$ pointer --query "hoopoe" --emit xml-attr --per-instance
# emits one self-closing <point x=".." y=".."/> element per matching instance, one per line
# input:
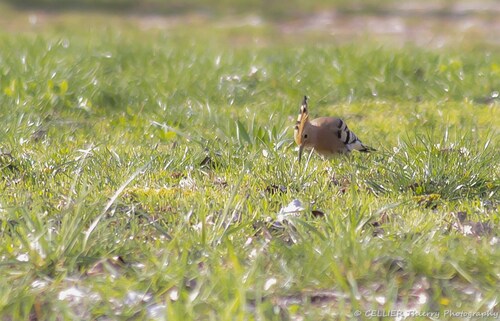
<point x="326" y="135"/>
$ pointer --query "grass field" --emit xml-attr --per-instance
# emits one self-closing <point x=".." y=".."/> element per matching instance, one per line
<point x="146" y="172"/>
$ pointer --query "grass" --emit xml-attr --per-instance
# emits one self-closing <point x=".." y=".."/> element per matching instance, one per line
<point x="143" y="173"/>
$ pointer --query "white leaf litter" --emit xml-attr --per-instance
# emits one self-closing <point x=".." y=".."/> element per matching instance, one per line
<point x="292" y="209"/>
<point x="380" y="299"/>
<point x="187" y="183"/>
<point x="157" y="312"/>
<point x="80" y="297"/>
<point x="134" y="297"/>
<point x="72" y="293"/>
<point x="23" y="257"/>
<point x="77" y="294"/>
<point x="269" y="283"/>
<point x="174" y="295"/>
<point x="39" y="284"/>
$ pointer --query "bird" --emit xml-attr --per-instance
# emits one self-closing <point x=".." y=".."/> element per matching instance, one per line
<point x="328" y="136"/>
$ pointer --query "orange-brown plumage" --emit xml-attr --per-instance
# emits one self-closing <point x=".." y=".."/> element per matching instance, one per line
<point x="326" y="135"/>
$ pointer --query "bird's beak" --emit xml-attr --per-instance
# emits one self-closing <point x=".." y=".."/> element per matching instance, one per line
<point x="301" y="149"/>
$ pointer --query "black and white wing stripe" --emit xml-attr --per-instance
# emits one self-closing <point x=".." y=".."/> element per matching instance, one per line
<point x="350" y="140"/>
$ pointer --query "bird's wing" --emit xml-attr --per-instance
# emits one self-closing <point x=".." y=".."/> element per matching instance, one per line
<point x="338" y="136"/>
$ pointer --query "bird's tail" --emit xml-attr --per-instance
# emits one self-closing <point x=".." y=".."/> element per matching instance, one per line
<point x="359" y="146"/>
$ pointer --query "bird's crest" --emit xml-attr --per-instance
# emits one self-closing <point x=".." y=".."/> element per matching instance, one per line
<point x="302" y="119"/>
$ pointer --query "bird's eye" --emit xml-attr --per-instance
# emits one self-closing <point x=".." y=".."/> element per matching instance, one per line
<point x="305" y="135"/>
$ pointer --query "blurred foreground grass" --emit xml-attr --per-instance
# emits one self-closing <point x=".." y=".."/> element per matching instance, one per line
<point x="143" y="173"/>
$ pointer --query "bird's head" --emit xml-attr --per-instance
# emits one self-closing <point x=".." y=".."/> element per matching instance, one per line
<point x="301" y="132"/>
